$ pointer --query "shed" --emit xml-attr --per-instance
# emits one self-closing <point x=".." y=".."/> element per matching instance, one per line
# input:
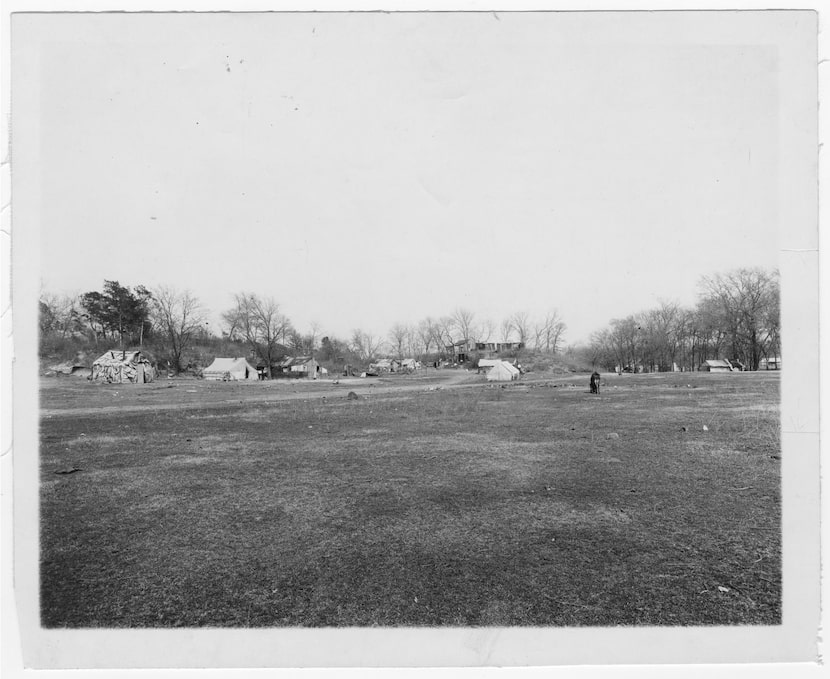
<point x="717" y="365"/>
<point x="298" y="367"/>
<point x="120" y="366"/>
<point x="384" y="365"/>
<point x="771" y="363"/>
<point x="410" y="365"/>
<point x="230" y="370"/>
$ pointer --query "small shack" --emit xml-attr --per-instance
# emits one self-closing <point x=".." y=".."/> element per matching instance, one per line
<point x="770" y="363"/>
<point x="410" y="365"/>
<point x="717" y="365"/>
<point x="385" y="365"/>
<point x="502" y="372"/>
<point x="230" y="370"/>
<point x="298" y="367"/>
<point x="117" y="366"/>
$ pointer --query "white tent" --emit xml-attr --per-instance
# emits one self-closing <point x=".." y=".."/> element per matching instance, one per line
<point x="230" y="369"/>
<point x="502" y="372"/>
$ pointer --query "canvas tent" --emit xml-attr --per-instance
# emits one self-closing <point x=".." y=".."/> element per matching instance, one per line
<point x="230" y="370"/>
<point x="486" y="364"/>
<point x="123" y="366"/>
<point x="502" y="372"/>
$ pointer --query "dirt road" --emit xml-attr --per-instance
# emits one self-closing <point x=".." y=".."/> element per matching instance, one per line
<point x="62" y="397"/>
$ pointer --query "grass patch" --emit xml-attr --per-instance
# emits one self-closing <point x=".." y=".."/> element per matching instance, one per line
<point x="468" y="506"/>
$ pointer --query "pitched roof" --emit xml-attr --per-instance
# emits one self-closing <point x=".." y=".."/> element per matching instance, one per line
<point x="718" y="363"/>
<point x="289" y="361"/>
<point x="228" y="364"/>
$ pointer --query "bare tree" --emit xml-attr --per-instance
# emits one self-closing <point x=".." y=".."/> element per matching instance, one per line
<point x="554" y="328"/>
<point x="60" y="314"/>
<point x="365" y="344"/>
<point x="506" y="329"/>
<point x="463" y="322"/>
<point x="521" y="324"/>
<point x="178" y="316"/>
<point x="260" y="323"/>
<point x="747" y="300"/>
<point x="398" y="337"/>
<point x="485" y="330"/>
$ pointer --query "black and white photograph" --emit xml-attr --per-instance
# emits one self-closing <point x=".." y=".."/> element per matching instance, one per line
<point x="414" y="338"/>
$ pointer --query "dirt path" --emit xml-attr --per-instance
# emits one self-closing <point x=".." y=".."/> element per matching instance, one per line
<point x="254" y="393"/>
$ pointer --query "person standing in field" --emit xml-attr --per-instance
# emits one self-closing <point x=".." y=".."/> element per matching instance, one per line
<point x="595" y="378"/>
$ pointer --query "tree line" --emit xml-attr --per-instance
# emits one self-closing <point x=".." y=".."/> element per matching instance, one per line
<point x="737" y="317"/>
<point x="173" y="322"/>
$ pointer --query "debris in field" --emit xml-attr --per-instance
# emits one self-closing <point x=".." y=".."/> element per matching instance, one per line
<point x="69" y="471"/>
<point x="684" y="429"/>
<point x="311" y="426"/>
<point x="705" y="428"/>
<point x="188" y="439"/>
<point x="742" y="488"/>
<point x="613" y="435"/>
<point x="352" y="396"/>
<point x="723" y="589"/>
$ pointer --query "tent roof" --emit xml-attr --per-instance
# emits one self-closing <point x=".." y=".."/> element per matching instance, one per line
<point x="502" y="369"/>
<point x="118" y="356"/>
<point x="228" y="364"/>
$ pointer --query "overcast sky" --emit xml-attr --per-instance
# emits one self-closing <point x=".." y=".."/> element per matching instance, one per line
<point x="368" y="169"/>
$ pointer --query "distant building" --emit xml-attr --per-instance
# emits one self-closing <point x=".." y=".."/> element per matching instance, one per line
<point x="384" y="365"/>
<point x="298" y="367"/>
<point x="490" y="349"/>
<point x="410" y="365"/>
<point x="461" y="350"/>
<point x="771" y="363"/>
<point x="717" y="365"/>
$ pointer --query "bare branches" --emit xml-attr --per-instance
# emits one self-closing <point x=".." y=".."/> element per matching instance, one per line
<point x="178" y="316"/>
<point x="259" y="321"/>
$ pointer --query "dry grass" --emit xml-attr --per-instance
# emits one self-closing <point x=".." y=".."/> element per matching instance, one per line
<point x="475" y="506"/>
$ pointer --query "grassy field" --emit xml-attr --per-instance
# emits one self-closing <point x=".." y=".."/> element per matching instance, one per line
<point x="291" y="505"/>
